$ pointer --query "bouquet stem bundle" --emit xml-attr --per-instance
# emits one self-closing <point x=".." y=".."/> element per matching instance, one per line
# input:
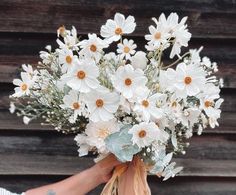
<point x="128" y="178"/>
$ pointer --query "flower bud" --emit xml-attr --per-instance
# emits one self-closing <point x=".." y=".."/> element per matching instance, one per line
<point x="139" y="60"/>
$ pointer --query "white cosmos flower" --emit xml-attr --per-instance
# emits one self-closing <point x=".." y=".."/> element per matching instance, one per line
<point x="158" y="35"/>
<point x="126" y="80"/>
<point x="213" y="112"/>
<point x="147" y="105"/>
<point x="92" y="47"/>
<point x="182" y="37"/>
<point x="66" y="59"/>
<point x="61" y="31"/>
<point x="97" y="133"/>
<point x="175" y="29"/>
<point x="190" y="116"/>
<point x="24" y="85"/>
<point x="73" y="102"/>
<point x="32" y="74"/>
<point x="139" y="60"/>
<point x="166" y="79"/>
<point x="126" y="49"/>
<point x="83" y="76"/>
<point x="70" y="40"/>
<point x="102" y="104"/>
<point x="114" y="29"/>
<point x="189" y="80"/>
<point x="81" y="141"/>
<point x="144" y="134"/>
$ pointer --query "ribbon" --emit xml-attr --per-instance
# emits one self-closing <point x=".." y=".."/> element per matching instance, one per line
<point x="128" y="179"/>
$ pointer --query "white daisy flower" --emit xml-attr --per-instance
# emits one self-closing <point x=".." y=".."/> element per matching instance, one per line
<point x="175" y="29"/>
<point x="23" y="85"/>
<point x="114" y="29"/>
<point x="92" y="47"/>
<point x="189" y="80"/>
<point x="70" y="40"/>
<point x="66" y="59"/>
<point x="81" y="141"/>
<point x="158" y="35"/>
<point x="147" y="105"/>
<point x="213" y="111"/>
<point x="166" y="79"/>
<point x="190" y="116"/>
<point x="73" y="102"/>
<point x="83" y="76"/>
<point x="32" y="74"/>
<point x="102" y="104"/>
<point x="126" y="80"/>
<point x="61" y="31"/>
<point x="97" y="133"/>
<point x="126" y="49"/>
<point x="181" y="37"/>
<point x="144" y="134"/>
<point x="46" y="56"/>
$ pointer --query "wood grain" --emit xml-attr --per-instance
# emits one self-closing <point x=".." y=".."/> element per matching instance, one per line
<point x="34" y="155"/>
<point x="207" y="146"/>
<point x="206" y="19"/>
<point x="175" y="186"/>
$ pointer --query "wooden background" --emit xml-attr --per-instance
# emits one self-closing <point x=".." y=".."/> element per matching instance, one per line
<point x="33" y="155"/>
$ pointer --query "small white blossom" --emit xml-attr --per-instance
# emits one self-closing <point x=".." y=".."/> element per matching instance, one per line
<point x="114" y="29"/>
<point x="97" y="133"/>
<point x="102" y="104"/>
<point x="144" y="134"/>
<point x="73" y="102"/>
<point x="126" y="80"/>
<point x="24" y="85"/>
<point x="92" y="47"/>
<point x="83" y="76"/>
<point x="126" y="49"/>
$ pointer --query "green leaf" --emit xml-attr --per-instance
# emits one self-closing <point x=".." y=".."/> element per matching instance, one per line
<point x="121" y="145"/>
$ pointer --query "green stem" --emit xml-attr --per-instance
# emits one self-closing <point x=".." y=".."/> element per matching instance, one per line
<point x="175" y="62"/>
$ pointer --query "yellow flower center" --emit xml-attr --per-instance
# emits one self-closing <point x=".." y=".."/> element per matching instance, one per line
<point x="61" y="30"/>
<point x="158" y="35"/>
<point x="126" y="49"/>
<point x="76" y="105"/>
<point x="99" y="103"/>
<point x="128" y="81"/>
<point x="118" y="31"/>
<point x="81" y="74"/>
<point x="68" y="59"/>
<point x="24" y="87"/>
<point x="93" y="48"/>
<point x="103" y="133"/>
<point x="187" y="80"/>
<point x="174" y="104"/>
<point x="208" y="103"/>
<point x="142" y="133"/>
<point x="145" y="103"/>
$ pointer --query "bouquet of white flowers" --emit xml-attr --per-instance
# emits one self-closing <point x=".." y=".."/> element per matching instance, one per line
<point x="128" y="103"/>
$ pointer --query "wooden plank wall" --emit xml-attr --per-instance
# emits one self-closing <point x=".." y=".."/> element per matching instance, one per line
<point x="33" y="155"/>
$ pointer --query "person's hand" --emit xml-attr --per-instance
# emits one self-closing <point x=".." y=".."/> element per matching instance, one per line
<point x="82" y="182"/>
<point x="105" y="167"/>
